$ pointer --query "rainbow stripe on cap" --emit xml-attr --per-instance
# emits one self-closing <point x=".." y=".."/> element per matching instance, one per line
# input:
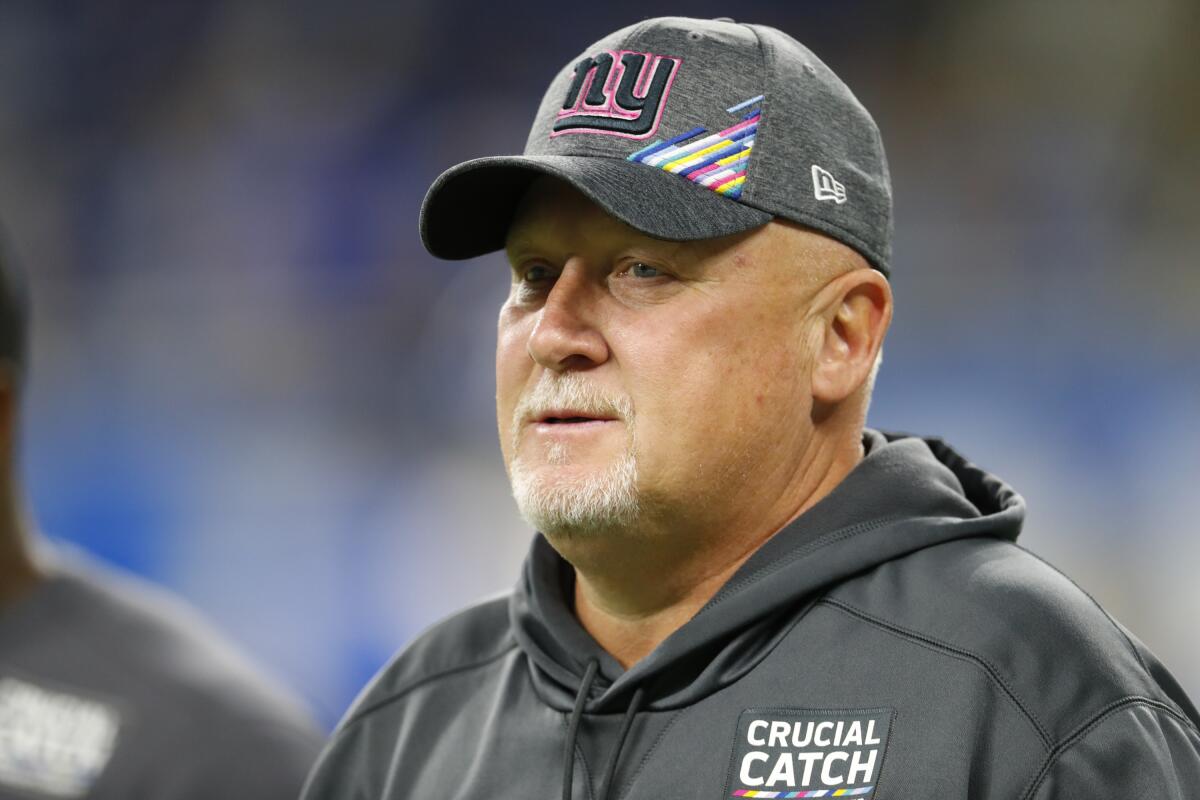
<point x="717" y="161"/>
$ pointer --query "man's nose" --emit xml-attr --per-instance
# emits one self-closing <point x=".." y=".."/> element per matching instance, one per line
<point x="565" y="335"/>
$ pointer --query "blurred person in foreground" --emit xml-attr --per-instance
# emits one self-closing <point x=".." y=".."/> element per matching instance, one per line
<point x="737" y="590"/>
<point x="111" y="689"/>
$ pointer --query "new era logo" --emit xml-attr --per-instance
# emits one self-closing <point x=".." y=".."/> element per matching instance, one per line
<point x="826" y="187"/>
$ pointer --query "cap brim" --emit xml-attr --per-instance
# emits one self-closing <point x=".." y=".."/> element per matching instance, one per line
<point x="468" y="209"/>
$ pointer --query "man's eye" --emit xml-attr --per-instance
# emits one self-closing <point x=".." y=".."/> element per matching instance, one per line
<point x="535" y="273"/>
<point x="640" y="270"/>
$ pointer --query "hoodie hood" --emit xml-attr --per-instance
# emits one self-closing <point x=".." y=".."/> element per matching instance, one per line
<point x="906" y="494"/>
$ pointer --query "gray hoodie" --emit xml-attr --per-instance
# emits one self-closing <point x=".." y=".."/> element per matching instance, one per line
<point x="892" y="642"/>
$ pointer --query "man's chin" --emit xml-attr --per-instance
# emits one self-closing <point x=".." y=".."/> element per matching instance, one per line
<point x="576" y="500"/>
<point x="565" y="477"/>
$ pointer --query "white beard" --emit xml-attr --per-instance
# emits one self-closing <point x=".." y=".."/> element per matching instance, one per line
<point x="600" y="501"/>
<point x="559" y="504"/>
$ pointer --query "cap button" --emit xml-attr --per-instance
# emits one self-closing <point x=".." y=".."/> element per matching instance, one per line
<point x="723" y="19"/>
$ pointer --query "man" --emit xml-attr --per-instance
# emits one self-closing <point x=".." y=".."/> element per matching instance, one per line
<point x="737" y="590"/>
<point x="112" y="690"/>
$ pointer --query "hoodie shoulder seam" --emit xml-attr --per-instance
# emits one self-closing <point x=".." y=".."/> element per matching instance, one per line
<point x="929" y="641"/>
<point x="428" y="679"/>
<point x="1086" y="727"/>
<point x="1124" y="636"/>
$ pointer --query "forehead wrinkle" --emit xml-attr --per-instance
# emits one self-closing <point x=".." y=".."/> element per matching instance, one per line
<point x="552" y="216"/>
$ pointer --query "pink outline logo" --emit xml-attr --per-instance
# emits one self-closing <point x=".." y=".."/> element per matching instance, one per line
<point x="618" y="93"/>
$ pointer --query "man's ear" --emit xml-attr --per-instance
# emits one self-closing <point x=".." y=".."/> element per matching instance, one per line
<point x="855" y="310"/>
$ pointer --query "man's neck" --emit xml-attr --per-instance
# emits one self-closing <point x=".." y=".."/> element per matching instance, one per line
<point x="19" y="571"/>
<point x="630" y="606"/>
<point x="629" y="635"/>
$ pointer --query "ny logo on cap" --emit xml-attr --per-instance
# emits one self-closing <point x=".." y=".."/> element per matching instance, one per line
<point x="826" y="187"/>
<point x="617" y="93"/>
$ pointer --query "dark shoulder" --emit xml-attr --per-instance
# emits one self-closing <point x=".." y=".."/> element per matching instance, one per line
<point x="469" y="640"/>
<point x="162" y="644"/>
<point x="196" y="717"/>
<point x="411" y="701"/>
<point x="1038" y="636"/>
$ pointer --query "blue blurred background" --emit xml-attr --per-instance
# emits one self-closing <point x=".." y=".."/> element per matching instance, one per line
<point x="251" y="384"/>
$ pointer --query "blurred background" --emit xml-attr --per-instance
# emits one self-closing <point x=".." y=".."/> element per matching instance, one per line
<point x="251" y="384"/>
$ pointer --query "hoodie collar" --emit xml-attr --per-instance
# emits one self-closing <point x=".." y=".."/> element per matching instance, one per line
<point x="907" y="493"/>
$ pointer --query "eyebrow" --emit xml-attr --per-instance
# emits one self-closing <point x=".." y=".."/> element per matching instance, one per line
<point x="529" y="237"/>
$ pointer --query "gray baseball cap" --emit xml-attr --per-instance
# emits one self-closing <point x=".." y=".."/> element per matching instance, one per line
<point x="686" y="129"/>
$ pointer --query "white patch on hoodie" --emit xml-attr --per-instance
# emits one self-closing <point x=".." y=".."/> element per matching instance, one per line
<point x="784" y="752"/>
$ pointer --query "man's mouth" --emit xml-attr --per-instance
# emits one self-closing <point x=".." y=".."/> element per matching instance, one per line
<point x="566" y="418"/>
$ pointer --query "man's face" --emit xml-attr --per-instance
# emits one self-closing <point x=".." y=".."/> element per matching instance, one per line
<point x="643" y="382"/>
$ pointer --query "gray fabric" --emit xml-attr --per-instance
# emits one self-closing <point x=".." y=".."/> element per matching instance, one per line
<point x="88" y="655"/>
<point x="809" y="118"/>
<point x="1101" y="751"/>
<point x="900" y="600"/>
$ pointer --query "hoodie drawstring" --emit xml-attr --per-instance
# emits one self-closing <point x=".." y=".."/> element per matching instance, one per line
<point x="635" y="705"/>
<point x="573" y="729"/>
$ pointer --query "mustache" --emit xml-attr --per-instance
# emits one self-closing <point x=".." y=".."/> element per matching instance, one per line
<point x="574" y="391"/>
